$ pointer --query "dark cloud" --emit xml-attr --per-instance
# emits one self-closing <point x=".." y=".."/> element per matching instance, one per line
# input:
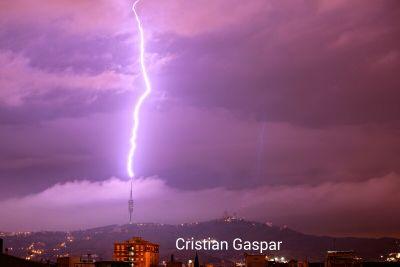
<point x="61" y="103"/>
<point x="53" y="49"/>
<point x="297" y="66"/>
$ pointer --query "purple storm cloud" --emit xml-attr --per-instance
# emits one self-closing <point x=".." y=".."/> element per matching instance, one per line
<point x="282" y="111"/>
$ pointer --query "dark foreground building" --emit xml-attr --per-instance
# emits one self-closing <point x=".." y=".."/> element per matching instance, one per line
<point x="342" y="259"/>
<point x="11" y="261"/>
<point x="112" y="264"/>
<point x="174" y="263"/>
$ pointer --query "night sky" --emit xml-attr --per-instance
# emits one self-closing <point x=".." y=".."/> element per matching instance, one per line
<point x="281" y="111"/>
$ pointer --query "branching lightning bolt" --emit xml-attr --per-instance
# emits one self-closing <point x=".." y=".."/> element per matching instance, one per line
<point x="136" y="109"/>
<point x="139" y="102"/>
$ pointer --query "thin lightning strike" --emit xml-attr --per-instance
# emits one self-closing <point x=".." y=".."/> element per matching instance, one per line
<point x="138" y="104"/>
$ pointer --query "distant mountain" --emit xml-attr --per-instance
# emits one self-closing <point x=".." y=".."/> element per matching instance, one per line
<point x="100" y="241"/>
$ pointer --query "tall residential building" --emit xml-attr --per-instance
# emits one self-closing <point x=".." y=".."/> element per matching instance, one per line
<point x="137" y="251"/>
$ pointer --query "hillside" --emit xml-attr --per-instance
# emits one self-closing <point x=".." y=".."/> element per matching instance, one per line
<point x="100" y="240"/>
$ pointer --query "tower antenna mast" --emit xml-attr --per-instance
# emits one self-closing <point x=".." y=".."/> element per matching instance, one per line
<point x="130" y="204"/>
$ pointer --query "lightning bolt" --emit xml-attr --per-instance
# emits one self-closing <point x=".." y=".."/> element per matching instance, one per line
<point x="141" y="99"/>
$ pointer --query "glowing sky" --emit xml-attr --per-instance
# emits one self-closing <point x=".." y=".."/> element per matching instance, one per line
<point x="257" y="105"/>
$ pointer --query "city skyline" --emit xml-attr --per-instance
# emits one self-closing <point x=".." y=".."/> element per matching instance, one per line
<point x="281" y="111"/>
